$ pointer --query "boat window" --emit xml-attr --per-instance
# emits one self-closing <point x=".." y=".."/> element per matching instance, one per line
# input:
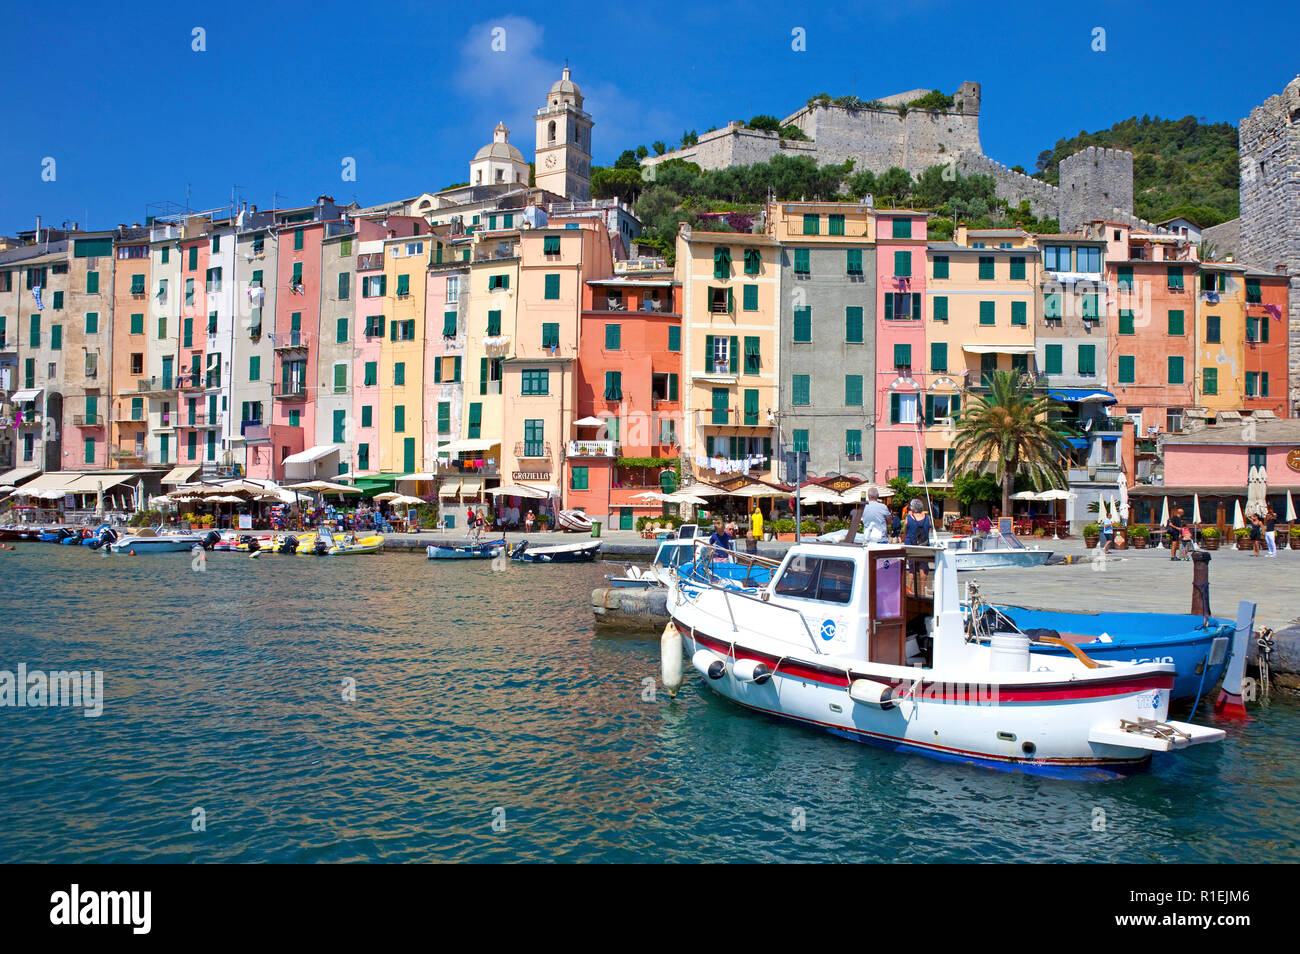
<point x="814" y="578"/>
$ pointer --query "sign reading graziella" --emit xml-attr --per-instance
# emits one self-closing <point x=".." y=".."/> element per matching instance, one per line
<point x="1293" y="458"/>
<point x="531" y="475"/>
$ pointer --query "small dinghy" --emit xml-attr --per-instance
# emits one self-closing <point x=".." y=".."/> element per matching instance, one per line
<point x="573" y="521"/>
<point x="468" y="550"/>
<point x="559" y="553"/>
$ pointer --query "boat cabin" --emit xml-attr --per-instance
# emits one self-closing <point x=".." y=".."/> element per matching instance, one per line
<point x="875" y="602"/>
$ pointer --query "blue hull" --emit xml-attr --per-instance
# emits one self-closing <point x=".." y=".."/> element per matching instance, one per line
<point x="464" y="551"/>
<point x="1140" y="637"/>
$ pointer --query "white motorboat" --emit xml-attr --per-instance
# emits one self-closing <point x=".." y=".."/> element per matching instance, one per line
<point x="151" y="540"/>
<point x="991" y="552"/>
<point x="871" y="643"/>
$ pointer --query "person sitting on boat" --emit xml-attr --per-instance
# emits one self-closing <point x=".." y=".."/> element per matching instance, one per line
<point x="720" y="542"/>
<point x="875" y="518"/>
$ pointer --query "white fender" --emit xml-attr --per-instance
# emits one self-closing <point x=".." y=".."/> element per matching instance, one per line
<point x="751" y="670"/>
<point x="670" y="659"/>
<point x="709" y="664"/>
<point x="872" y="693"/>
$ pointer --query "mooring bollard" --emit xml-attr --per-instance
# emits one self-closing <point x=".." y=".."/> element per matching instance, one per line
<point x="1200" y="583"/>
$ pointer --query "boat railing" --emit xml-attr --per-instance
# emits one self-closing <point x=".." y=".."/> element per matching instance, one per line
<point x="730" y="592"/>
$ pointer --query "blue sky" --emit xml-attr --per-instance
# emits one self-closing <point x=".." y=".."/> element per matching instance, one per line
<point x="132" y="115"/>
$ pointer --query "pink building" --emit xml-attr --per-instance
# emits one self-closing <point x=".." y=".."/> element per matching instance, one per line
<point x="295" y="337"/>
<point x="900" y="344"/>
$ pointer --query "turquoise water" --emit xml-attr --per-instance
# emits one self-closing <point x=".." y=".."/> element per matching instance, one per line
<point x="485" y="697"/>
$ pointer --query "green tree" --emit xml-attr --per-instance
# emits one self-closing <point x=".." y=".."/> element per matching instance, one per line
<point x="1008" y="430"/>
<point x="642" y="152"/>
<point x="627" y="160"/>
<point x="690" y="138"/>
<point x="620" y="183"/>
<point x="659" y="146"/>
<point x="765" y="123"/>
<point x="896" y="183"/>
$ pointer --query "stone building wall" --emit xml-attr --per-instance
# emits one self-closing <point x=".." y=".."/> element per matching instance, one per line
<point x="1095" y="181"/>
<point x="1270" y="203"/>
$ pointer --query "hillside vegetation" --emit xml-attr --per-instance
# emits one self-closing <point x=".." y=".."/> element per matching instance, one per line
<point x="1180" y="166"/>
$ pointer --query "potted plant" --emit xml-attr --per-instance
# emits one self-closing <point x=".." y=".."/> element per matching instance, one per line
<point x="783" y="528"/>
<point x="1242" y="537"/>
<point x="1139" y="535"/>
<point x="1091" y="534"/>
<point x="1294" y="537"/>
<point x="1210" y="538"/>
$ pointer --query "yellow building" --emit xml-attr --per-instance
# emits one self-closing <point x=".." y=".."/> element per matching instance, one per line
<point x="1221" y="336"/>
<point x="980" y="318"/>
<point x="490" y="311"/>
<point x="730" y="352"/>
<point x="401" y="355"/>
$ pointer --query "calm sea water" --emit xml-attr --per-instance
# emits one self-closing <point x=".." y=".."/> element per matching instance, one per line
<point x="485" y="697"/>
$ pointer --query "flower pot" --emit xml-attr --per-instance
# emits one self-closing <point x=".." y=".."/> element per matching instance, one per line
<point x="1139" y="543"/>
<point x="1208" y="544"/>
<point x="785" y="537"/>
<point x="1090" y="542"/>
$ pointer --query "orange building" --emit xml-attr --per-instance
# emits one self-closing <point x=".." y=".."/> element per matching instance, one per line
<point x="629" y="376"/>
<point x="1266" y="342"/>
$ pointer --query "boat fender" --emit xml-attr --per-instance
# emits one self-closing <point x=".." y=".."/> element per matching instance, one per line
<point x="872" y="693"/>
<point x="751" y="670"/>
<point x="670" y="659"/>
<point x="710" y="664"/>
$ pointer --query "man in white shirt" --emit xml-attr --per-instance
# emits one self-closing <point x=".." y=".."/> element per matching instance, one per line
<point x="875" y="518"/>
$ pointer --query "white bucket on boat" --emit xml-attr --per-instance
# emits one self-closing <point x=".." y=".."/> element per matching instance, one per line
<point x="1009" y="652"/>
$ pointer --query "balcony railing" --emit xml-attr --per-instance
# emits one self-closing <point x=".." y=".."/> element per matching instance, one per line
<point x="28" y="421"/>
<point x="87" y="420"/>
<point x="531" y="449"/>
<point x="126" y="452"/>
<point x="191" y="382"/>
<point x="592" y="449"/>
<point x="286" y="340"/>
<point x="293" y="391"/>
<point x="147" y="385"/>
<point x="200" y="419"/>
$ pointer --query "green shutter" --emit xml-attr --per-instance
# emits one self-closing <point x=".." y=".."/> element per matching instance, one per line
<point x="1126" y="368"/>
<point x="455" y="369"/>
<point x="902" y="264"/>
<point x="854" y="263"/>
<point x="578" y="478"/>
<point x="399" y="418"/>
<point x="895" y="407"/>
<point x="751" y="406"/>
<point x="853" y="324"/>
<point x="1210" y="381"/>
<point x="811" y="224"/>
<point x="753" y="357"/>
<point x="708" y="354"/>
<point x="1175" y="369"/>
<point x="987" y="314"/>
<point x="672" y="387"/>
<point x="733" y="354"/>
<point x="476" y="417"/>
<point x="1087" y="359"/>
<point x="1124" y="278"/>
<point x="1052" y="358"/>
<point x="801" y="266"/>
<point x="367" y="415"/>
<point x="916" y="306"/>
<point x="340" y="378"/>
<point x="853" y="390"/>
<point x="901" y="228"/>
<point x="675" y="338"/>
<point x="905" y="461"/>
<point x="437" y="371"/>
<point x="941" y="266"/>
<point x="889" y="305"/>
<point x="1017" y="268"/>
<point x="297" y="240"/>
<point x="482" y="375"/>
<point x="1052" y="305"/>
<point x="613" y="337"/>
<point x="720" y="400"/>
<point x="986" y="268"/>
<point x="345" y="286"/>
<point x="552" y="289"/>
<point x="372" y="374"/>
<point x="340" y="330"/>
<point x="853" y="443"/>
<point x="749" y="298"/>
<point x="1019" y="313"/>
<point x="340" y="425"/>
<point x="938" y="356"/>
<point x="403" y="285"/>
<point x="56" y="337"/>
<point x="444" y="417"/>
<point x="1125" y="322"/>
<point x="834" y="225"/>
<point x="902" y="356"/>
<point x="803" y="324"/>
<point x="940" y="306"/>
<point x="801" y="390"/>
<point x="254" y="367"/>
<point x="801" y="441"/>
<point x="494" y="323"/>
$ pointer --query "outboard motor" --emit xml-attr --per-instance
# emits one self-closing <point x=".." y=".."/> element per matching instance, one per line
<point x="211" y="539"/>
<point x="322" y="548"/>
<point x="519" y="548"/>
<point x="248" y="541"/>
<point x="289" y="545"/>
<point x="107" y="537"/>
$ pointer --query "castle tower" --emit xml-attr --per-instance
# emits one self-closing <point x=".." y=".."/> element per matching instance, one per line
<point x="498" y="162"/>
<point x="1270" y="203"/>
<point x="564" y="142"/>
<point x="1095" y="184"/>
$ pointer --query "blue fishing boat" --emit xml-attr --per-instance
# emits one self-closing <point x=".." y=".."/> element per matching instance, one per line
<point x="468" y="550"/>
<point x="1198" y="647"/>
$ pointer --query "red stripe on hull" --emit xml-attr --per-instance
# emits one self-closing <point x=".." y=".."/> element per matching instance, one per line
<point x="945" y="691"/>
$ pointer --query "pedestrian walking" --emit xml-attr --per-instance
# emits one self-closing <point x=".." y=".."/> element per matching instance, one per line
<point x="1270" y="532"/>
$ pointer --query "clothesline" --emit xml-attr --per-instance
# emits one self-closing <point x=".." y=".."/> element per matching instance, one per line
<point x="726" y="465"/>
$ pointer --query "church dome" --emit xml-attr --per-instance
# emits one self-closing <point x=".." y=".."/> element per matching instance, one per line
<point x="499" y="147"/>
<point x="566" y="87"/>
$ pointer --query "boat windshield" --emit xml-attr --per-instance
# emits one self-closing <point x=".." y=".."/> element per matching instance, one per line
<point x="670" y="554"/>
<point x="1007" y="540"/>
<point x="817" y="578"/>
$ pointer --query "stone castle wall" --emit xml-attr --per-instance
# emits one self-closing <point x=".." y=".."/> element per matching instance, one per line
<point x="1015" y="187"/>
<point x="1095" y="180"/>
<point x="1269" y="142"/>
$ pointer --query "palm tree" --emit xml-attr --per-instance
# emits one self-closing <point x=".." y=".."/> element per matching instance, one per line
<point x="1008" y="428"/>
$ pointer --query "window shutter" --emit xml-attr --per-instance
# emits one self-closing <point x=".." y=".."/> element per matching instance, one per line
<point x="672" y="387"/>
<point x="1019" y="313"/>
<point x="731" y="301"/>
<point x="456" y="368"/>
<point x="751" y="406"/>
<point x="938" y="356"/>
<point x="708" y="353"/>
<point x="902" y="264"/>
<point x="734" y="351"/>
<point x="482" y="375"/>
<point x="940" y="307"/>
<point x="889" y="305"/>
<point x="929" y="411"/>
<point x="987" y="314"/>
<point x="905" y="461"/>
<point x="1126" y="322"/>
<point x="853" y="324"/>
<point x="895" y="408"/>
<point x="916" y="307"/>
<point x="437" y="370"/>
<point x="675" y="338"/>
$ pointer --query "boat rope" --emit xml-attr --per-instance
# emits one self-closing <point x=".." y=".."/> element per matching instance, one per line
<point x="1265" y="644"/>
<point x="1205" y="665"/>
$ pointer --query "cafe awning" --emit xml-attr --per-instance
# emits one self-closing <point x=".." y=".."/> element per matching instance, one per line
<point x="471" y="487"/>
<point x="22" y="397"/>
<point x="469" y="445"/>
<point x="180" y="475"/>
<point x="450" y="489"/>
<point x="17" y="474"/>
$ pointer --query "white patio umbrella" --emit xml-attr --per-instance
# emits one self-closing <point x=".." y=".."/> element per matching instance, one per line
<point x="324" y="487"/>
<point x="650" y="495"/>
<point x="1025" y="495"/>
<point x="1164" y="522"/>
<point x="590" y="422"/>
<point x="681" y="497"/>
<point x="1056" y="494"/>
<point x="388" y="495"/>
<point x="758" y="490"/>
<point x="405" y="500"/>
<point x="705" y="490"/>
<point x="518" y="490"/>
<point x="1196" y="509"/>
<point x="1290" y="508"/>
<point x="1238" y="520"/>
<point x="815" y="493"/>
<point x="1123" y="499"/>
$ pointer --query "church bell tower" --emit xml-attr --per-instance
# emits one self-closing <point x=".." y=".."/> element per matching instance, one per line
<point x="563" y="153"/>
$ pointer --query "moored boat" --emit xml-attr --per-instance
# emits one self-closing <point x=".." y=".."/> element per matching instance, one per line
<point x="871" y="643"/>
<point x="574" y="521"/>
<point x="150" y="540"/>
<point x="993" y="552"/>
<point x="558" y="553"/>
<point x="469" y="550"/>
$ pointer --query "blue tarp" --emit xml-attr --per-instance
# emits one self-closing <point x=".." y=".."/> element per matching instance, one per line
<point x="1082" y="394"/>
<point x="1077" y="442"/>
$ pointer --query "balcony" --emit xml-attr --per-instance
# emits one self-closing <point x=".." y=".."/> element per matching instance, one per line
<point x="125" y="452"/>
<point x="592" y="449"/>
<point x="87" y="420"/>
<point x="528" y="450"/>
<point x="155" y="385"/>
<point x="166" y="422"/>
<point x="28" y="422"/>
<point x="126" y="415"/>
<point x="290" y="341"/>
<point x="293" y="391"/>
<point x="447" y="468"/>
<point x="191" y="382"/>
<point x="200" y="419"/>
